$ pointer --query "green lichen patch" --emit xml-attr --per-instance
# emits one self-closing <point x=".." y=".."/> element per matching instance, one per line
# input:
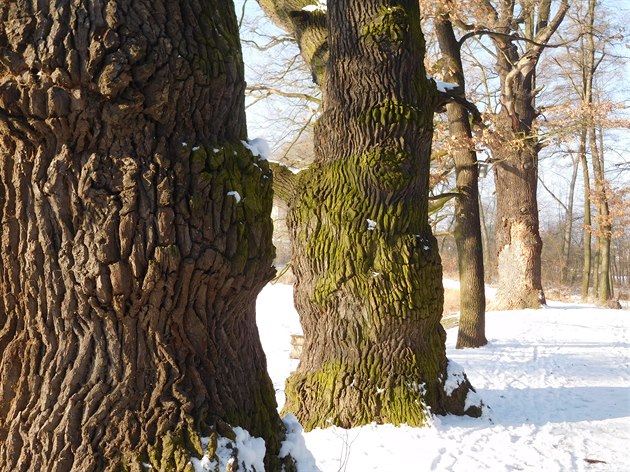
<point x="313" y="40"/>
<point x="389" y="29"/>
<point x="353" y="394"/>
<point x="173" y="449"/>
<point x="391" y="169"/>
<point x="392" y="112"/>
<point x="230" y="199"/>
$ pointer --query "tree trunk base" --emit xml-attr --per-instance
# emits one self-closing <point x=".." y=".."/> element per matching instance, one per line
<point x="519" y="287"/>
<point x="354" y="395"/>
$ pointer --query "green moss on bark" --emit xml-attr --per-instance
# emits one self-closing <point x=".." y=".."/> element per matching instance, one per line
<point x="231" y="192"/>
<point x="374" y="265"/>
<point x="360" y="393"/>
<point x="391" y="25"/>
<point x="393" y="112"/>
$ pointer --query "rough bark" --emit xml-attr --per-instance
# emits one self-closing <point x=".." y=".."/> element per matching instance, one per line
<point x="471" y="331"/>
<point x="369" y="289"/>
<point x="516" y="152"/>
<point x="129" y="270"/>
<point x="517" y="237"/>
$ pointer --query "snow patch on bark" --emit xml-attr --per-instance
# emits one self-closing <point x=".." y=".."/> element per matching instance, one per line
<point x="293" y="170"/>
<point x="454" y="377"/>
<point x="235" y="194"/>
<point x="472" y="400"/>
<point x="443" y="86"/>
<point x="295" y="446"/>
<point x="319" y="5"/>
<point x="251" y="453"/>
<point x="258" y="147"/>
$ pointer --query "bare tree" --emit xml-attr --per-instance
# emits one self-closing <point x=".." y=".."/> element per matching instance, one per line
<point x="520" y="31"/>
<point x="581" y="63"/>
<point x="278" y="83"/>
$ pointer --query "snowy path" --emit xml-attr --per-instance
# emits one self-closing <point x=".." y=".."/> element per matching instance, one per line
<point x="557" y="382"/>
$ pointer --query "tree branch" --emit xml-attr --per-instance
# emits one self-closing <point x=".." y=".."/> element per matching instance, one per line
<point x="273" y="42"/>
<point x="553" y="195"/>
<point x="284" y="182"/>
<point x="270" y="90"/>
<point x="455" y="95"/>
<point x="514" y="37"/>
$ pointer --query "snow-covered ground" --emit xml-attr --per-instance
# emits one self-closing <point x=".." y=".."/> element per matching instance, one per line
<point x="556" y="380"/>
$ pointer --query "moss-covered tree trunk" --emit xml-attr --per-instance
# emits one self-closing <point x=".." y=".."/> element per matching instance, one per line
<point x="472" y="320"/>
<point x="135" y="236"/>
<point x="369" y="277"/>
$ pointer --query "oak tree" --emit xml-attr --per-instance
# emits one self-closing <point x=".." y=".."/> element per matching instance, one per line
<point x="135" y="235"/>
<point x="520" y="31"/>
<point x="471" y="330"/>
<point x="369" y="278"/>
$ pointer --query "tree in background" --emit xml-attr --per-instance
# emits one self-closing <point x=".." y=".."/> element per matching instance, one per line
<point x="520" y="31"/>
<point x="585" y="109"/>
<point x="278" y="86"/>
<point x="471" y="330"/>
<point x="136" y="236"/>
<point x="369" y="280"/>
<point x="600" y="194"/>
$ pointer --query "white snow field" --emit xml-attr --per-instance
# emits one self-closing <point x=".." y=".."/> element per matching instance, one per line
<point x="556" y="382"/>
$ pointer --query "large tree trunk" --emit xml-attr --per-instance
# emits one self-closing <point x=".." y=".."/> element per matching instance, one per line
<point x="472" y="326"/>
<point x="519" y="246"/>
<point x="518" y="240"/>
<point x="129" y="269"/>
<point x="369" y="279"/>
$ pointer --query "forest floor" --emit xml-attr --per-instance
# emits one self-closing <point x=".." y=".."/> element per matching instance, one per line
<point x="556" y="382"/>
